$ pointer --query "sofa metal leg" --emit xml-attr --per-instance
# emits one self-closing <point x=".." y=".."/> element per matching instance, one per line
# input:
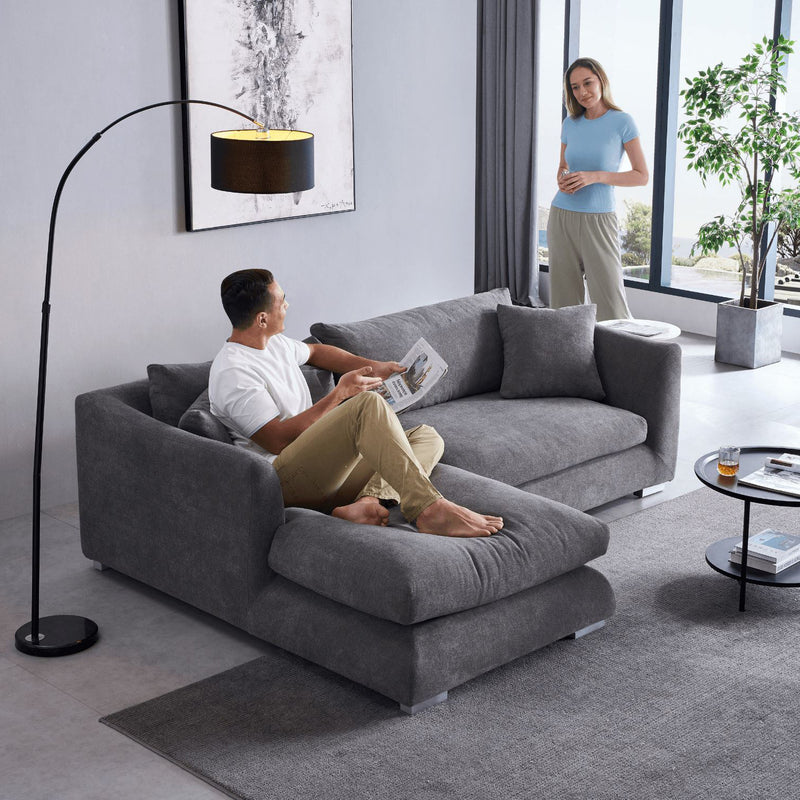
<point x="421" y="706"/>
<point x="99" y="566"/>
<point x="648" y="490"/>
<point x="588" y="629"/>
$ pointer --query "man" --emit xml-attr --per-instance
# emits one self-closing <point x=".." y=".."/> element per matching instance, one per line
<point x="340" y="458"/>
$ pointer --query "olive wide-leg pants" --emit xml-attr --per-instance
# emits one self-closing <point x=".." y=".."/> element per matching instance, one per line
<point x="360" y="449"/>
<point x="582" y="245"/>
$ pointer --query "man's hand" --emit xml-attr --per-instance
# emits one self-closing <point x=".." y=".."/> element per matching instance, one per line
<point x="278" y="434"/>
<point x="383" y="369"/>
<point x="355" y="382"/>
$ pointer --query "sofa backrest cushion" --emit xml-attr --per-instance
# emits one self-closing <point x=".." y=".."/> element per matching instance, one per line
<point x="464" y="332"/>
<point x="549" y="352"/>
<point x="174" y="387"/>
<point x="199" y="419"/>
<point x="320" y="381"/>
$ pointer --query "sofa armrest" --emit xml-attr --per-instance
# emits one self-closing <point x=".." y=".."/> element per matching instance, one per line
<point x="190" y="516"/>
<point x="644" y="376"/>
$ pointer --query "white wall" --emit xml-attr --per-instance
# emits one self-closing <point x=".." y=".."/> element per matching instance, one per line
<point x="130" y="286"/>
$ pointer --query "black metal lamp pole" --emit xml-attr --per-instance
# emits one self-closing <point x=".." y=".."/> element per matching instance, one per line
<point x="65" y="634"/>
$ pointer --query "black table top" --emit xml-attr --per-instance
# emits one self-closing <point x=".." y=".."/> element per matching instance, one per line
<point x="750" y="459"/>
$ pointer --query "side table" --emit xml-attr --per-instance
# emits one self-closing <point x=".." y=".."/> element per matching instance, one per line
<point x="666" y="330"/>
<point x="750" y="459"/>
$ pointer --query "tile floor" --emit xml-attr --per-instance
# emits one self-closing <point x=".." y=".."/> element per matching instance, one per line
<point x="51" y="744"/>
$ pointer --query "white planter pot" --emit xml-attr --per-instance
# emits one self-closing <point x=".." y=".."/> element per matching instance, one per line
<point x="749" y="337"/>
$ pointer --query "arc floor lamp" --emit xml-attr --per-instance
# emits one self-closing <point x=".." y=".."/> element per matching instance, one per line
<point x="253" y="161"/>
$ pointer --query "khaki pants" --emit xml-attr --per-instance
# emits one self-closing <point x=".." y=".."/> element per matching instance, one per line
<point x="360" y="449"/>
<point x="586" y="245"/>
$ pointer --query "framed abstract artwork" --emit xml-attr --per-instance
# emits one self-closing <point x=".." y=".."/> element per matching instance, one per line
<point x="286" y="63"/>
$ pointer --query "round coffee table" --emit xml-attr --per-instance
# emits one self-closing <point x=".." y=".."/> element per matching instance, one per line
<point x="751" y="459"/>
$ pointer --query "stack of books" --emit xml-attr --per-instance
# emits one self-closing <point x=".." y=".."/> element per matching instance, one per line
<point x="769" y="551"/>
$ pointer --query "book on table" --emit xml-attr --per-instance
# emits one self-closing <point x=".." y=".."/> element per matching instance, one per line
<point x="788" y="462"/>
<point x="773" y="479"/>
<point x="769" y="551"/>
<point x="754" y="562"/>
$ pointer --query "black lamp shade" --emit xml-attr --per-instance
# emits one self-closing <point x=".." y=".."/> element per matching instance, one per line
<point x="262" y="162"/>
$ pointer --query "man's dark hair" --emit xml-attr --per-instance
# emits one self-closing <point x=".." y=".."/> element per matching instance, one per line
<point x="245" y="293"/>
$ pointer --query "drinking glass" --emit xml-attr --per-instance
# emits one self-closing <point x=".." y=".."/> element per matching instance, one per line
<point x="728" y="460"/>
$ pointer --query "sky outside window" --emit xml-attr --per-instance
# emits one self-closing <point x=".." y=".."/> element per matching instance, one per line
<point x="793" y="76"/>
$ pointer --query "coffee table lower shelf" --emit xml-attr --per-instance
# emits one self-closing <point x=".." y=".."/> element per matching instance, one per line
<point x="717" y="559"/>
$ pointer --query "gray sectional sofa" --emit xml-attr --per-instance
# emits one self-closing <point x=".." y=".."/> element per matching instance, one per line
<point x="166" y="499"/>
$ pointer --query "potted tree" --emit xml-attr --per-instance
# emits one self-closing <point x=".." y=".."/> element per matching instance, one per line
<point x="734" y="133"/>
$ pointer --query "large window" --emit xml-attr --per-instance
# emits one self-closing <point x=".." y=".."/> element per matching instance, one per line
<point x="787" y="282"/>
<point x="736" y="24"/>
<point x="623" y="36"/>
<point x="642" y="57"/>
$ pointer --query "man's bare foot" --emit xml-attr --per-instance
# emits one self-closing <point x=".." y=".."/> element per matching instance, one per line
<point x="445" y="518"/>
<point x="365" y="511"/>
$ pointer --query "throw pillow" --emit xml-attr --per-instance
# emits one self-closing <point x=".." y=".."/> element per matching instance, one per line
<point x="199" y="419"/>
<point x="174" y="387"/>
<point x="549" y="352"/>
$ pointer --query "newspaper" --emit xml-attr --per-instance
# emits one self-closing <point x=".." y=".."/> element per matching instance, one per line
<point x="775" y="480"/>
<point x="424" y="366"/>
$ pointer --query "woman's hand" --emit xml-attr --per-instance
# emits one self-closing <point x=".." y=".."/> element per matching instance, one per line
<point x="572" y="182"/>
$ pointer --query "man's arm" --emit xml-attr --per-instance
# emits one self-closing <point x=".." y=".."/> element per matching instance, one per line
<point x="278" y="434"/>
<point x="336" y="360"/>
<point x="358" y="375"/>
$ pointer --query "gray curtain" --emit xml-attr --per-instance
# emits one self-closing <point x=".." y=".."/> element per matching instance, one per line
<point x="506" y="239"/>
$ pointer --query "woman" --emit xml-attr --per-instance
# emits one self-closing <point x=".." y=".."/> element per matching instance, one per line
<point x="582" y="232"/>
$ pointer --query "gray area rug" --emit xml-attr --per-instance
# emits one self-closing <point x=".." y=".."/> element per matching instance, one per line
<point x="679" y="696"/>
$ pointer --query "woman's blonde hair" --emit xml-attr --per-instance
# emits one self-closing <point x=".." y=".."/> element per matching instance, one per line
<point x="574" y="108"/>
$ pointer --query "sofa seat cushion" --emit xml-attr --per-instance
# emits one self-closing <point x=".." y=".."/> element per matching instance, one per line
<point x="399" y="574"/>
<point x="516" y="441"/>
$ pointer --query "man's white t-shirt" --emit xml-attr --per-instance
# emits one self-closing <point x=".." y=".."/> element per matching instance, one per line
<point x="248" y="387"/>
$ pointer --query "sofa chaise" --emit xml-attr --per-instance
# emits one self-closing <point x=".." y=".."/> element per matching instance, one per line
<point x="166" y="499"/>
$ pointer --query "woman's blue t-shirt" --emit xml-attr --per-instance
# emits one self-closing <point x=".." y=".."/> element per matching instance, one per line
<point x="594" y="144"/>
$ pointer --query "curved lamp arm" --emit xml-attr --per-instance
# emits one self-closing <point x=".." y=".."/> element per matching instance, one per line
<point x="29" y="639"/>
